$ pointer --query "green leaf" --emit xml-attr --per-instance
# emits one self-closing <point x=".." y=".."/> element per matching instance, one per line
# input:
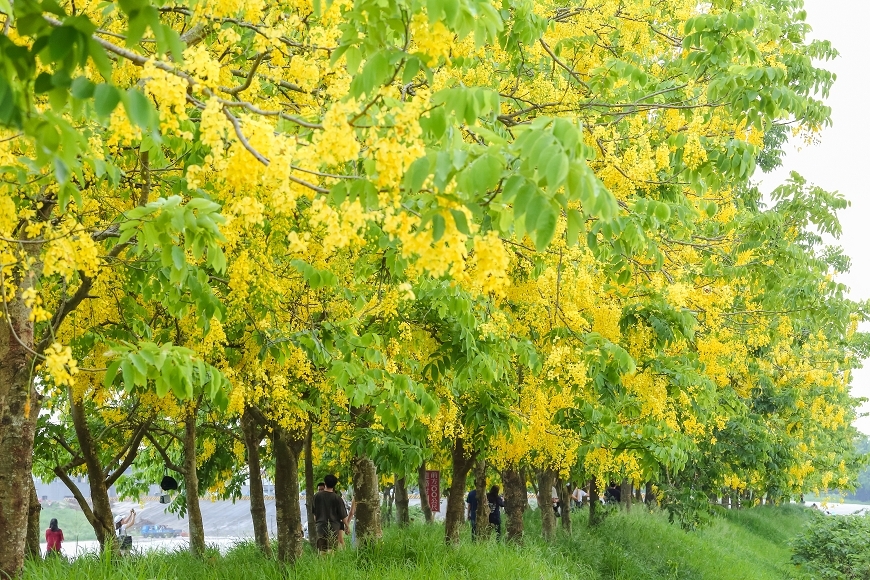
<point x="100" y="60"/>
<point x="139" y="108"/>
<point x="106" y="98"/>
<point x="662" y="212"/>
<point x="575" y="224"/>
<point x="82" y="88"/>
<point x="461" y="221"/>
<point x="417" y="173"/>
<point x="557" y="169"/>
<point x="546" y="225"/>
<point x="61" y="42"/>
<point x="111" y="373"/>
<point x="438" y="226"/>
<point x="412" y="67"/>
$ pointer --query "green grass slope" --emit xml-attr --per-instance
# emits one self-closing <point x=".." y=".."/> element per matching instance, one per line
<point x="70" y="519"/>
<point x="750" y="544"/>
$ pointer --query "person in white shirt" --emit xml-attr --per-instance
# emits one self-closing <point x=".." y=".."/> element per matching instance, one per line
<point x="579" y="495"/>
<point x="122" y="524"/>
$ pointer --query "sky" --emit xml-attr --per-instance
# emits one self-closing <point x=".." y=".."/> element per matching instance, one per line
<point x="841" y="161"/>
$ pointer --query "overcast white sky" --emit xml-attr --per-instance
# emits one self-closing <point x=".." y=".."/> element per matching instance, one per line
<point x="841" y="162"/>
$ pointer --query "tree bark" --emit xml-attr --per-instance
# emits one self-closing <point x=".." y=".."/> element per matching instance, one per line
<point x="387" y="507"/>
<point x="637" y="495"/>
<point x="515" y="499"/>
<point x="625" y="494"/>
<point x="546" y="480"/>
<point x="484" y="529"/>
<point x="19" y="407"/>
<point x="368" y="504"/>
<point x="309" y="488"/>
<point x="463" y="459"/>
<point x="525" y="480"/>
<point x="251" y="431"/>
<point x="403" y="518"/>
<point x="595" y="517"/>
<point x="191" y="487"/>
<point x="424" y="501"/>
<point x="34" y="550"/>
<point x="287" y="511"/>
<point x="650" y="498"/>
<point x="100" y="506"/>
<point x="565" y="500"/>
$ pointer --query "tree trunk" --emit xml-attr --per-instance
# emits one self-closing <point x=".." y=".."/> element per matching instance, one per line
<point x="650" y="498"/>
<point x="515" y="499"/>
<point x="309" y="488"/>
<point x="637" y="495"/>
<point x="463" y="459"/>
<point x="595" y="517"/>
<point x="483" y="527"/>
<point x="251" y="431"/>
<point x="402" y="516"/>
<point x="424" y="501"/>
<point x="525" y="480"/>
<point x="34" y="550"/>
<point x="546" y="480"/>
<point x="387" y="506"/>
<point x="287" y="511"/>
<point x="565" y="500"/>
<point x="19" y="407"/>
<point x="368" y="505"/>
<point x="101" y="508"/>
<point x="191" y="487"/>
<point x="625" y="494"/>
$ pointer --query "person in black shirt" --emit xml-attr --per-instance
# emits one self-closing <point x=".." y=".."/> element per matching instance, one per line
<point x="329" y="512"/>
<point x="471" y="500"/>
<point x="496" y="502"/>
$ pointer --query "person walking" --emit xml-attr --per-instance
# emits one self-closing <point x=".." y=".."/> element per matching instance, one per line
<point x="329" y="514"/>
<point x="496" y="502"/>
<point x="54" y="538"/>
<point x="471" y="500"/>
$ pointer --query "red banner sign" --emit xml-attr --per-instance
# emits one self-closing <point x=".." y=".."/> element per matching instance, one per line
<point x="432" y="489"/>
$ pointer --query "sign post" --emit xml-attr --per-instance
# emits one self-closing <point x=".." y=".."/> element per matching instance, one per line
<point x="432" y="485"/>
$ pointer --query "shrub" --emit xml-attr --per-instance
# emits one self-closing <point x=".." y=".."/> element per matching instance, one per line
<point x="835" y="547"/>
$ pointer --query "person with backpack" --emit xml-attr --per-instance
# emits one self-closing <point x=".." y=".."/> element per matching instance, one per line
<point x="329" y="514"/>
<point x="54" y="538"/>
<point x="496" y="502"/>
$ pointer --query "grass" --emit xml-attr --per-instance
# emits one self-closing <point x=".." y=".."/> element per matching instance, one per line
<point x="750" y="544"/>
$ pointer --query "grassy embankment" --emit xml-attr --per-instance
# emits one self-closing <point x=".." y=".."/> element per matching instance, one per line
<point x="71" y="520"/>
<point x="750" y="544"/>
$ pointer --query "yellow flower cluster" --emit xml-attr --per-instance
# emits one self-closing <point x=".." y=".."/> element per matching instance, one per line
<point x="33" y="301"/>
<point x="200" y="64"/>
<point x="122" y="133"/>
<point x="337" y="142"/>
<point x="343" y="227"/>
<point x="432" y="39"/>
<point x="60" y="364"/>
<point x="490" y="264"/>
<point x="66" y="255"/>
<point x="170" y="92"/>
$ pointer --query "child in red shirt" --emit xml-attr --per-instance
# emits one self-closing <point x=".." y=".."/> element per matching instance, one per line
<point x="53" y="537"/>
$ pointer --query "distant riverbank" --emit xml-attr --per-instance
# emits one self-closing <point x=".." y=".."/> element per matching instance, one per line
<point x="836" y="508"/>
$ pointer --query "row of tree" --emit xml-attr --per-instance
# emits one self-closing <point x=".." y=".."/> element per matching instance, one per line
<point x="234" y="236"/>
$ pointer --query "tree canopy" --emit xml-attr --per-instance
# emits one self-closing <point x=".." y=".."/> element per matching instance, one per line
<point x="520" y="231"/>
